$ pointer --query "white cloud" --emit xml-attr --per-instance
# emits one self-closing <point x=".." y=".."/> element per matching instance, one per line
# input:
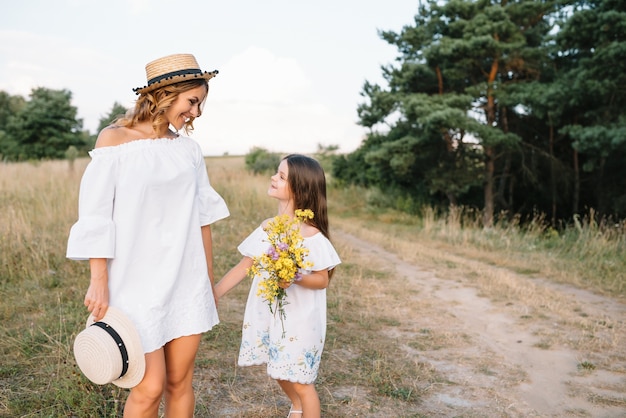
<point x="285" y="83"/>
<point x="138" y="7"/>
<point x="258" y="75"/>
<point x="260" y="99"/>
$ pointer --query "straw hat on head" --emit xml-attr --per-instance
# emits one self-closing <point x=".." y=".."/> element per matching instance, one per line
<point x="109" y="351"/>
<point x="173" y="69"/>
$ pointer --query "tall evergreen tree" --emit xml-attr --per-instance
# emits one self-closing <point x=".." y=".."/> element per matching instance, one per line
<point x="593" y="61"/>
<point x="451" y="131"/>
<point x="574" y="123"/>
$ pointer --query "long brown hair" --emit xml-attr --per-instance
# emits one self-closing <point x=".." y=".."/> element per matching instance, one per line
<point x="307" y="182"/>
<point x="153" y="105"/>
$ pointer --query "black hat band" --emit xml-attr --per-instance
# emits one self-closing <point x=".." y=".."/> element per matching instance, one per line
<point x="174" y="74"/>
<point x="120" y="344"/>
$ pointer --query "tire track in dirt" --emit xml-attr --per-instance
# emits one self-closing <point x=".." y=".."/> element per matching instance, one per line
<point x="504" y="370"/>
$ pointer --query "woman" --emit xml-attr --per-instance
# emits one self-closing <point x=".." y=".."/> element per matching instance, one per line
<point x="145" y="209"/>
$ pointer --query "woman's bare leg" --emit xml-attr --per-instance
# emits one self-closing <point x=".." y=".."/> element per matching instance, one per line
<point x="145" y="398"/>
<point x="180" y="356"/>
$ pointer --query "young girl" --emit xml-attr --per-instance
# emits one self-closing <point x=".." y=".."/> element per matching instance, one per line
<point x="293" y="356"/>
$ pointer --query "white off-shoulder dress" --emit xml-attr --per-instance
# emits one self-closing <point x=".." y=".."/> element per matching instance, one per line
<point x="141" y="206"/>
<point x="296" y="355"/>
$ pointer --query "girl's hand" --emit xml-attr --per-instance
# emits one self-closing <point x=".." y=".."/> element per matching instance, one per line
<point x="284" y="285"/>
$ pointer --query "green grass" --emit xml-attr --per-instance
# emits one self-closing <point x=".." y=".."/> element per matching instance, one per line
<point x="585" y="253"/>
<point x="42" y="293"/>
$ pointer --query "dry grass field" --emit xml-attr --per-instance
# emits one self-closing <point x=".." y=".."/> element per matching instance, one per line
<point x="428" y="316"/>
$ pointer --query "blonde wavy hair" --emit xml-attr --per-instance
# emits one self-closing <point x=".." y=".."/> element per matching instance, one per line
<point x="153" y="105"/>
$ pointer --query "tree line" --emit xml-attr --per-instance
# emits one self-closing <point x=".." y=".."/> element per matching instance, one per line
<point x="45" y="126"/>
<point x="513" y="107"/>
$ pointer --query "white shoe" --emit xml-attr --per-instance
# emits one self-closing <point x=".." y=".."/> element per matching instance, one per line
<point x="291" y="411"/>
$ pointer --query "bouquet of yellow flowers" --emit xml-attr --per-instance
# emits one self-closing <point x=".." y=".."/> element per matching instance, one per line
<point x="283" y="260"/>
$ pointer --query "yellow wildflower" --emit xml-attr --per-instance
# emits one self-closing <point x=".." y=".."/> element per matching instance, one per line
<point x="283" y="260"/>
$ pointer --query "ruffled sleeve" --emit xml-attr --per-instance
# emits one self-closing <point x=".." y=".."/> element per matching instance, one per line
<point x="321" y="253"/>
<point x="212" y="205"/>
<point x="93" y="235"/>
<point x="255" y="244"/>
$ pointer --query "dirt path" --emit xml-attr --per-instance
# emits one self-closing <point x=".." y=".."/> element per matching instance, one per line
<point x="508" y="358"/>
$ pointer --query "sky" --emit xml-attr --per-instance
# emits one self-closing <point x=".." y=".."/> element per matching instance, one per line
<point x="290" y="72"/>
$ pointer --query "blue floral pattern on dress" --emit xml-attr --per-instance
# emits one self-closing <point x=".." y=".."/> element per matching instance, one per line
<point x="273" y="352"/>
<point x="265" y="339"/>
<point x="311" y="358"/>
<point x="296" y="355"/>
